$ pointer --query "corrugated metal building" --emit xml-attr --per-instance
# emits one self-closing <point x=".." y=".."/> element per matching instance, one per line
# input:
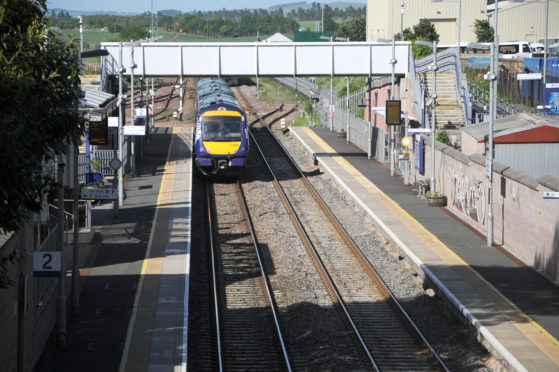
<point x="517" y="20"/>
<point x="526" y="20"/>
<point x="525" y="142"/>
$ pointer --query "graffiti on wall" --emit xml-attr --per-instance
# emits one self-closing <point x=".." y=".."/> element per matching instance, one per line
<point x="470" y="199"/>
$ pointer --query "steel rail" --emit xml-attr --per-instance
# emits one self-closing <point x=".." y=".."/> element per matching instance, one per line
<point x="336" y="296"/>
<point x="373" y="274"/>
<point x="214" y="276"/>
<point x="265" y="278"/>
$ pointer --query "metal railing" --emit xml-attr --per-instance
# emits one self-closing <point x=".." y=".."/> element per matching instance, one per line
<point x="503" y="107"/>
<point x="104" y="155"/>
<point x="358" y="128"/>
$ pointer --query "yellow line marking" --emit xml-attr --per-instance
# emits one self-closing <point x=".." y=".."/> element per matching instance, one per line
<point x="153" y="265"/>
<point x="548" y="344"/>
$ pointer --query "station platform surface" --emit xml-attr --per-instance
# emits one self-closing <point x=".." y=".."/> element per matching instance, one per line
<point x="514" y="308"/>
<point x="134" y="287"/>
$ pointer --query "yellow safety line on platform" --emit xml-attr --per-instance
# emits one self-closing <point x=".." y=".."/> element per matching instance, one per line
<point x="149" y="265"/>
<point x="153" y="265"/>
<point x="543" y="343"/>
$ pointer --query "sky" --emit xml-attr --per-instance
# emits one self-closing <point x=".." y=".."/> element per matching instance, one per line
<point x="140" y="6"/>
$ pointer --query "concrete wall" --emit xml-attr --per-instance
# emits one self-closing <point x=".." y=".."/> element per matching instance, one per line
<point x="525" y="223"/>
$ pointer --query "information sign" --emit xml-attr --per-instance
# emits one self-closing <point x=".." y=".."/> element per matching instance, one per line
<point x="532" y="76"/>
<point x="98" y="132"/>
<point x="113" y="121"/>
<point x="551" y="195"/>
<point x="393" y="112"/>
<point x="95" y="193"/>
<point x="406" y="141"/>
<point x="46" y="263"/>
<point x="134" y="130"/>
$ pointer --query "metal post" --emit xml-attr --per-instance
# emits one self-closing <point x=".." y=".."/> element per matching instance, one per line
<point x="347" y="109"/>
<point x="370" y="148"/>
<point x="61" y="300"/>
<point x="180" y="98"/>
<point x="331" y="103"/>
<point x="434" y="118"/>
<point x="120" y="130"/>
<point x="75" y="243"/>
<point x="392" y="147"/>
<point x="152" y="105"/>
<point x="459" y="25"/>
<point x="489" y="152"/>
<point x="322" y="23"/>
<point x="81" y="33"/>
<point x="402" y="20"/>
<point x="544" y="98"/>
<point x="132" y="116"/>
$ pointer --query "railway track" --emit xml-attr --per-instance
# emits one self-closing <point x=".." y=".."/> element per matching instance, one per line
<point x="387" y="336"/>
<point x="247" y="332"/>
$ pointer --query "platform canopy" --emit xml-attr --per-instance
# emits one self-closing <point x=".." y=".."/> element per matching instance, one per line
<point x="257" y="59"/>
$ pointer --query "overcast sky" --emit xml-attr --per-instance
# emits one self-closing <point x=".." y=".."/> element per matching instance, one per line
<point x="135" y="6"/>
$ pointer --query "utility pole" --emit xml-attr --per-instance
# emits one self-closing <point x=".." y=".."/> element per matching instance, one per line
<point x="434" y="119"/>
<point x="393" y="62"/>
<point x="61" y="300"/>
<point x="132" y="114"/>
<point x="154" y="27"/>
<point x="120" y="129"/>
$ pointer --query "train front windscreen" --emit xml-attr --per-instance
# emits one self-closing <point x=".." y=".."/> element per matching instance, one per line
<point x="222" y="127"/>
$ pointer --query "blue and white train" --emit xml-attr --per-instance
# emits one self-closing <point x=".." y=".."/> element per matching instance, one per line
<point x="221" y="139"/>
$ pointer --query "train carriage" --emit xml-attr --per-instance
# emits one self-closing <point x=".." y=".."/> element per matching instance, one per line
<point x="221" y="139"/>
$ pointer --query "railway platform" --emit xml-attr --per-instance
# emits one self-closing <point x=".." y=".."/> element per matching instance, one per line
<point x="513" y="309"/>
<point x="134" y="286"/>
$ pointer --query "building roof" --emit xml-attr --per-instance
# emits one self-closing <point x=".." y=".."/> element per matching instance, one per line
<point x="520" y="128"/>
<point x="278" y="38"/>
<point x="95" y="104"/>
<point x="93" y="98"/>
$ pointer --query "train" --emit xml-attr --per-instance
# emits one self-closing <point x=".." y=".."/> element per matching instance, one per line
<point x="221" y="143"/>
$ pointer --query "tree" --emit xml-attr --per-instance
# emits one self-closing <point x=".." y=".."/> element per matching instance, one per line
<point x="354" y="30"/>
<point x="133" y="33"/>
<point x="39" y="79"/>
<point x="425" y="30"/>
<point x="483" y="30"/>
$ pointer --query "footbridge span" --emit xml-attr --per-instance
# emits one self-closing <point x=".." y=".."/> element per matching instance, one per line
<point x="257" y="59"/>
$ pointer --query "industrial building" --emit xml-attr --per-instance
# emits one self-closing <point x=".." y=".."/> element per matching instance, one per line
<point x="454" y="19"/>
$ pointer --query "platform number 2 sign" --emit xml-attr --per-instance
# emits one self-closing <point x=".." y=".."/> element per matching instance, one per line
<point x="46" y="263"/>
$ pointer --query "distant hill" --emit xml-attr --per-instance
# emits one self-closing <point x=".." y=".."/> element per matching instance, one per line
<point x="285" y="6"/>
<point x="305" y="5"/>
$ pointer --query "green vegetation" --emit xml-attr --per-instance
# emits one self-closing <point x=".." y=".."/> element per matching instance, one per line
<point x="424" y="30"/>
<point x="39" y="83"/>
<point x="354" y="30"/>
<point x="442" y="136"/>
<point x="273" y="92"/>
<point x="483" y="30"/>
<point x="340" y="84"/>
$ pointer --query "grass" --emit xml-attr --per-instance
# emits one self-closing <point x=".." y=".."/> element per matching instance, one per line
<point x="94" y="37"/>
<point x="274" y="92"/>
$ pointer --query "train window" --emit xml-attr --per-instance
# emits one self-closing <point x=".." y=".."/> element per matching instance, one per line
<point x="221" y="128"/>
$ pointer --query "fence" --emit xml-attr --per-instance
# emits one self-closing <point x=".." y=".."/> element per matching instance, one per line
<point x="104" y="155"/>
<point x="344" y="120"/>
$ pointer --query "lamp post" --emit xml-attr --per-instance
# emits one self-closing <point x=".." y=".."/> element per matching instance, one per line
<point x="433" y="67"/>
<point x="393" y="62"/>
<point x="402" y="20"/>
<point x="491" y="76"/>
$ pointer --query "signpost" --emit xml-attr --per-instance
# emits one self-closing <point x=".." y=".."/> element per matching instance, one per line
<point x="47" y="264"/>
<point x="393" y="112"/>
<point x="98" y="132"/>
<point x="95" y="193"/>
<point x="532" y="76"/>
<point x="134" y="130"/>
